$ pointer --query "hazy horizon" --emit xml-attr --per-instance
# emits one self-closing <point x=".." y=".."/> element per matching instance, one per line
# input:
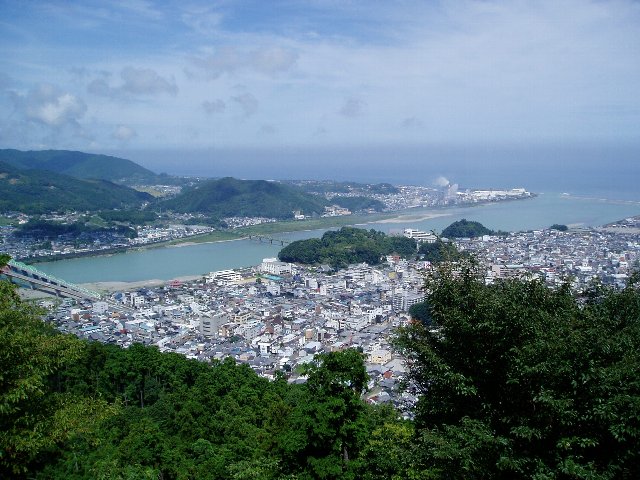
<point x="579" y="169"/>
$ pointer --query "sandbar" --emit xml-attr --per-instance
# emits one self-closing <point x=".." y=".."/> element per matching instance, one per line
<point x="128" y="286"/>
<point x="413" y="218"/>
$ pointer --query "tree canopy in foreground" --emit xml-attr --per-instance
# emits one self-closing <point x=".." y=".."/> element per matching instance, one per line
<point x="520" y="381"/>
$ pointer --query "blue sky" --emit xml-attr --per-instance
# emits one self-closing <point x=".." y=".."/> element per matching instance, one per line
<point x="138" y="76"/>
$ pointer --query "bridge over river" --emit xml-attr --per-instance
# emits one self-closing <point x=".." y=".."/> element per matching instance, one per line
<point x="271" y="240"/>
<point x="19" y="272"/>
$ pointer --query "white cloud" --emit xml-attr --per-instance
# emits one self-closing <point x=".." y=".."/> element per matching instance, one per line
<point x="352" y="107"/>
<point x="411" y="122"/>
<point x="124" y="133"/>
<point x="231" y="59"/>
<point x="247" y="103"/>
<point x="214" y="106"/>
<point x="50" y="106"/>
<point x="272" y="60"/>
<point x="145" y="81"/>
<point x="471" y="71"/>
<point x="203" y="20"/>
<point x="268" y="129"/>
<point x="135" y="82"/>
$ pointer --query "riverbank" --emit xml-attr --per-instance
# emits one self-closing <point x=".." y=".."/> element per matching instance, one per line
<point x="109" y="287"/>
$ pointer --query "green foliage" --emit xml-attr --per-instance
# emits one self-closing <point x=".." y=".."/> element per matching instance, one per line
<point x="559" y="227"/>
<point x="420" y="311"/>
<point x="80" y="165"/>
<point x="35" y="191"/>
<point x="326" y="428"/>
<point x="520" y="381"/>
<point x="34" y="418"/>
<point x="439" y="251"/>
<point x="230" y="197"/>
<point x="466" y="228"/>
<point x="345" y="246"/>
<point x="129" y="216"/>
<point x="40" y="229"/>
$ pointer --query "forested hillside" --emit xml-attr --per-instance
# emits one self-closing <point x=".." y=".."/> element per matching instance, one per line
<point x="229" y="197"/>
<point x="79" y="165"/>
<point x="466" y="228"/>
<point x="517" y="382"/>
<point x="37" y="191"/>
<point x="347" y="245"/>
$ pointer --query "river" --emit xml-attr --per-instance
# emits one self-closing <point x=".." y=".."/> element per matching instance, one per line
<point x="167" y="263"/>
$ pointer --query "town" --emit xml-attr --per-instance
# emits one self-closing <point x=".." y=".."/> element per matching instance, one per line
<point x="276" y="316"/>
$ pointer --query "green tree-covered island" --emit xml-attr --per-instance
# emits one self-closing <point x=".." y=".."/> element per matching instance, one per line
<point x="346" y="246"/>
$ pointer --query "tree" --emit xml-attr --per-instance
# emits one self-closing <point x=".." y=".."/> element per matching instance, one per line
<point x="559" y="227"/>
<point x="439" y="251"/>
<point x="520" y="381"/>
<point x="327" y="426"/>
<point x="420" y="311"/>
<point x="34" y="418"/>
<point x="466" y="228"/>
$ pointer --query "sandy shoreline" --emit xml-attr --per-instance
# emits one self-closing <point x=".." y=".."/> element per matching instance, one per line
<point x="118" y="285"/>
<point x="189" y="244"/>
<point x="413" y="218"/>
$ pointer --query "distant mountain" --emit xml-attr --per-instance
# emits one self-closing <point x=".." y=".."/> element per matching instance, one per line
<point x="38" y="191"/>
<point x="80" y="165"/>
<point x="247" y="198"/>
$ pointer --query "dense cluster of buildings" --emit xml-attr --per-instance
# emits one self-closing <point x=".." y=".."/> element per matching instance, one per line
<point x="411" y="196"/>
<point x="278" y="315"/>
<point x="273" y="317"/>
<point x="24" y="247"/>
<point x="578" y="256"/>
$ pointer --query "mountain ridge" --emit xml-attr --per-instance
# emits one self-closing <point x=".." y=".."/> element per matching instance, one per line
<point x="227" y="197"/>
<point x="41" y="191"/>
<point x="79" y="165"/>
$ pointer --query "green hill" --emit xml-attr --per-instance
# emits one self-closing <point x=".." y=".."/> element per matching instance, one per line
<point x="465" y="228"/>
<point x="229" y="197"/>
<point x="80" y="165"/>
<point x="359" y="203"/>
<point x="347" y="245"/>
<point x="35" y="191"/>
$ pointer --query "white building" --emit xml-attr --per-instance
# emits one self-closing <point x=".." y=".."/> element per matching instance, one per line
<point x="419" y="236"/>
<point x="380" y="356"/>
<point x="274" y="267"/>
<point x="226" y="277"/>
